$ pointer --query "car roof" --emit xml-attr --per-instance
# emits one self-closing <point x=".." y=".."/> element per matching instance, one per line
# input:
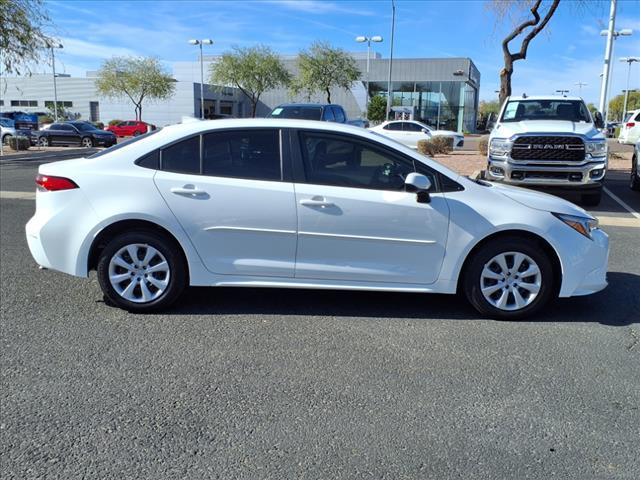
<point x="306" y="105"/>
<point x="544" y="97"/>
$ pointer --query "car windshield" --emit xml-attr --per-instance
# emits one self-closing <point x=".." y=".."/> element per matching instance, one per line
<point x="126" y="143"/>
<point x="301" y="112"/>
<point x="561" y="109"/>
<point x="84" y="127"/>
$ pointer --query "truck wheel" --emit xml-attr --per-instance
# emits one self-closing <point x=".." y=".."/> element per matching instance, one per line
<point x="634" y="183"/>
<point x="592" y="199"/>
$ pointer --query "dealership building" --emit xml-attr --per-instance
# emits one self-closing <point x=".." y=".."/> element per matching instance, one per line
<point x="442" y="92"/>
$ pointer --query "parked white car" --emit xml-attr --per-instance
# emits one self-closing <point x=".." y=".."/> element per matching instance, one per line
<point x="410" y="132"/>
<point x="303" y="204"/>
<point x="7" y="129"/>
<point x="630" y="129"/>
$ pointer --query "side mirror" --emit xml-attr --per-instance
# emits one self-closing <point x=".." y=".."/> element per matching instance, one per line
<point x="420" y="185"/>
<point x="424" y="130"/>
<point x="598" y="120"/>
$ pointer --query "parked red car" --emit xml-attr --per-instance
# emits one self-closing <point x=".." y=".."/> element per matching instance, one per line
<point x="130" y="128"/>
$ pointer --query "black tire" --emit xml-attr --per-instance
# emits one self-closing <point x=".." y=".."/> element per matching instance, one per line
<point x="634" y="181"/>
<point x="6" y="139"/>
<point x="88" y="141"/>
<point x="136" y="133"/>
<point x="473" y="277"/>
<point x="178" y="277"/>
<point x="591" y="199"/>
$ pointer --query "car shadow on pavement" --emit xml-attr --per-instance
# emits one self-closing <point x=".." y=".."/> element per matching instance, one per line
<point x="618" y="305"/>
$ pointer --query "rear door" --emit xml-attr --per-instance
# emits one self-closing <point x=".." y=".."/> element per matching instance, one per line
<point x="228" y="190"/>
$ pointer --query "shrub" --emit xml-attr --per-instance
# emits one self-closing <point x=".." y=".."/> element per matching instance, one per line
<point x="483" y="145"/>
<point x="436" y="145"/>
<point x="98" y="125"/>
<point x="44" y="119"/>
<point x="114" y="122"/>
<point x="19" y="143"/>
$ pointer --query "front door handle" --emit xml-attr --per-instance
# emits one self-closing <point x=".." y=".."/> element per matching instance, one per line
<point x="316" y="202"/>
<point x="188" y="191"/>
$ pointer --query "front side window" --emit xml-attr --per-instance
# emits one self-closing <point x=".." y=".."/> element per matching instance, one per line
<point x="393" y="126"/>
<point x="251" y="154"/>
<point x="182" y="157"/>
<point x="412" y="127"/>
<point x="328" y="115"/>
<point x="339" y="114"/>
<point x="345" y="162"/>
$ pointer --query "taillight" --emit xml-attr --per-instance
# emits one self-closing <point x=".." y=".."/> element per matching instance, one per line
<point x="52" y="184"/>
<point x="630" y="124"/>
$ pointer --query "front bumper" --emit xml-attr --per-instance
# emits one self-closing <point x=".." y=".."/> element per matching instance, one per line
<point x="533" y="174"/>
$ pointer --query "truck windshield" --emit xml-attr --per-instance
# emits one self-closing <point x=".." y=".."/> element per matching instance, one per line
<point x="300" y="112"/>
<point x="569" y="110"/>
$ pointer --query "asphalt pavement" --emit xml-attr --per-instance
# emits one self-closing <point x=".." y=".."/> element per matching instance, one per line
<point x="251" y="383"/>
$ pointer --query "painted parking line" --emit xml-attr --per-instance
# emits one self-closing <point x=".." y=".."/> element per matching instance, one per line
<point x="17" y="195"/>
<point x="621" y="202"/>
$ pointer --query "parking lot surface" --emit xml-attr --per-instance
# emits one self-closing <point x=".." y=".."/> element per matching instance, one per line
<point x="249" y="383"/>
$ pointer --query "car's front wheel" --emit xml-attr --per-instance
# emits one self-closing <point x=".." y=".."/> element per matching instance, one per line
<point x="509" y="278"/>
<point x="141" y="271"/>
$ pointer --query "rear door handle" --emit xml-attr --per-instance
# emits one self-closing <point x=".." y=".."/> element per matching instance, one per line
<point x="316" y="202"/>
<point x="188" y="191"/>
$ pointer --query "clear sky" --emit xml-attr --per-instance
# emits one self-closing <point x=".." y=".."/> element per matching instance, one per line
<point x="570" y="51"/>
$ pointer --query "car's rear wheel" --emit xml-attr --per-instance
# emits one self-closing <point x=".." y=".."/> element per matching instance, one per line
<point x="141" y="271"/>
<point x="509" y="278"/>
<point x="136" y="133"/>
<point x="634" y="181"/>
<point x="43" y="141"/>
<point x="87" y="142"/>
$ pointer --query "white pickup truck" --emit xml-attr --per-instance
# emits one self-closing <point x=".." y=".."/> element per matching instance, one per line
<point x="551" y="143"/>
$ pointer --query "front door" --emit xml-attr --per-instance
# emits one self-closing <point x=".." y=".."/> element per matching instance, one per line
<point x="356" y="222"/>
<point x="233" y="205"/>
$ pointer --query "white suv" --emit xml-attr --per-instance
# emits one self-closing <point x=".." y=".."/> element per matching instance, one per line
<point x="304" y="204"/>
<point x="630" y="129"/>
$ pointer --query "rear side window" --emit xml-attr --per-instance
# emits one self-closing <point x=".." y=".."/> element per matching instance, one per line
<point x="182" y="157"/>
<point x="251" y="154"/>
<point x="151" y="160"/>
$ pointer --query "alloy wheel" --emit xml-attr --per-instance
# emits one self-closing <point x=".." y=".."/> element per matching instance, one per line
<point x="510" y="281"/>
<point x="44" y="142"/>
<point x="139" y="273"/>
<point x="86" y="142"/>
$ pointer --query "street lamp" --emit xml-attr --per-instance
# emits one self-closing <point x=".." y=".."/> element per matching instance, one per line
<point x="362" y="39"/>
<point x="393" y="29"/>
<point x="611" y="34"/>
<point x="629" y="61"/>
<point x="205" y="41"/>
<point x="53" y="46"/>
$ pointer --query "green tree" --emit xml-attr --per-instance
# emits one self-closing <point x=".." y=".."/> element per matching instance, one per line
<point x="616" y="105"/>
<point x="22" y="38"/>
<point x="253" y="70"/>
<point x="485" y="108"/>
<point x="529" y="18"/>
<point x="322" y="67"/>
<point x="592" y="108"/>
<point x="377" y="108"/>
<point x="135" y="78"/>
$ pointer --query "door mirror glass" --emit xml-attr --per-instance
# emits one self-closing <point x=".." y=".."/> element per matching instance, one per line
<point x="598" y="120"/>
<point x="416" y="182"/>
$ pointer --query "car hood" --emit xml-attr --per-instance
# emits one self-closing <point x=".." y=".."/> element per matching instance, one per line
<point x="508" y="129"/>
<point x="540" y="201"/>
<point x="446" y="133"/>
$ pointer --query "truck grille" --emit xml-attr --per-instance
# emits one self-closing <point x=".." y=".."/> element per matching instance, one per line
<point x="552" y="148"/>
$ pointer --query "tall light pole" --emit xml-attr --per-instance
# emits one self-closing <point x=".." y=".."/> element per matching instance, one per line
<point x="629" y="61"/>
<point x="580" y="85"/>
<point x="393" y="28"/>
<point x="361" y="39"/>
<point x="53" y="46"/>
<point x="205" y="41"/>
<point x="611" y="34"/>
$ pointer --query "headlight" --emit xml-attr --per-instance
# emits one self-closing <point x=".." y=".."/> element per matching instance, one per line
<point x="499" y="147"/>
<point x="583" y="225"/>
<point x="597" y="149"/>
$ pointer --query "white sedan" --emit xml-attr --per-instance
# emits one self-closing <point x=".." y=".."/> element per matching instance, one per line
<point x="410" y="132"/>
<point x="303" y="204"/>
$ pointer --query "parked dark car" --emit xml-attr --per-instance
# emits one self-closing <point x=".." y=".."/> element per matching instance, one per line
<point x="310" y="111"/>
<point x="22" y="120"/>
<point x="73" y="133"/>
